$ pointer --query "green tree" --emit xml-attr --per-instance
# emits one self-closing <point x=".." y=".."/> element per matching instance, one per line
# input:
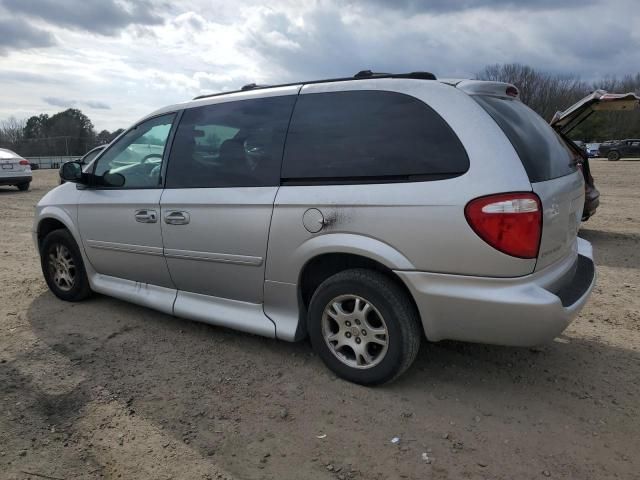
<point x="75" y="128"/>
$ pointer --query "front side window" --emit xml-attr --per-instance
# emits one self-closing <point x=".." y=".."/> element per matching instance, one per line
<point x="231" y="144"/>
<point x="86" y="160"/>
<point x="369" y="135"/>
<point x="137" y="155"/>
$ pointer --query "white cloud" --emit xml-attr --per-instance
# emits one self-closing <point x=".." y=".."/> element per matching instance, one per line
<point x="182" y="49"/>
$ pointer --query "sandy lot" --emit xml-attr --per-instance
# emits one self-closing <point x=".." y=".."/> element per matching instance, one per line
<point x="107" y="389"/>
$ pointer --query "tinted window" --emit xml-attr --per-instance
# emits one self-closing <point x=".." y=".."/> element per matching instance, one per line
<point x="137" y="155"/>
<point x="542" y="151"/>
<point x="230" y="144"/>
<point x="365" y="134"/>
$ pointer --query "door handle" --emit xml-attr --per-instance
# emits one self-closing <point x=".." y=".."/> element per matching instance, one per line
<point x="176" y="217"/>
<point x="146" y="216"/>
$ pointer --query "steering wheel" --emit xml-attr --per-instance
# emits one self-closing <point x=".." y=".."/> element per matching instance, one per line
<point x="144" y="160"/>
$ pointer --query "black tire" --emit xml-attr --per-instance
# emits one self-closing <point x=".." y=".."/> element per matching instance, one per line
<point x="23" y="187"/>
<point x="613" y="156"/>
<point x="399" y="314"/>
<point x="80" y="288"/>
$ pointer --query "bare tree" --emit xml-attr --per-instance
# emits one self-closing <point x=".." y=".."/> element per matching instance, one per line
<point x="543" y="92"/>
<point x="11" y="132"/>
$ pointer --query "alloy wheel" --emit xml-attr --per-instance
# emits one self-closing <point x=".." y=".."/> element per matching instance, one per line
<point x="355" y="331"/>
<point x="62" y="267"/>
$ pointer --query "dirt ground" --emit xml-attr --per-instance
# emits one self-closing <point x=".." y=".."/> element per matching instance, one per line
<point x="108" y="389"/>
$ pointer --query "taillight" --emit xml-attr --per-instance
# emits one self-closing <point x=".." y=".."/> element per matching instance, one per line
<point x="509" y="222"/>
<point x="24" y="162"/>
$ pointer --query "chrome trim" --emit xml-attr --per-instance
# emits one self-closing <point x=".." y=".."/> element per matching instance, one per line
<point x="177" y="217"/>
<point x="125" y="247"/>
<point x="213" y="257"/>
<point x="146" y="216"/>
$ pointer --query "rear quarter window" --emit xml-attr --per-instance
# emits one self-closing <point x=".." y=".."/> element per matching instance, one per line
<point x="367" y="135"/>
<point x="544" y="154"/>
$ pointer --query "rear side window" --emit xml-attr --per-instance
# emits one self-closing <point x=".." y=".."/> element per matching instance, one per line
<point x="369" y="135"/>
<point x="232" y="144"/>
<point x="544" y="154"/>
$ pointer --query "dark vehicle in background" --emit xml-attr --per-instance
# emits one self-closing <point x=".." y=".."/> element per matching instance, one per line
<point x="89" y="157"/>
<point x="580" y="144"/>
<point x="564" y="122"/>
<point x="593" y="150"/>
<point x="616" y="150"/>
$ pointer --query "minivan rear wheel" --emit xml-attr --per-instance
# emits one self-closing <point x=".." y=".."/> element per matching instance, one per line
<point x="613" y="156"/>
<point x="23" y="187"/>
<point x="363" y="326"/>
<point x="63" y="267"/>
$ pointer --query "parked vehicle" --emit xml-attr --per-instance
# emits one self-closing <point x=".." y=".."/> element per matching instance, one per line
<point x="565" y="122"/>
<point x="616" y="150"/>
<point x="14" y="170"/>
<point x="87" y="158"/>
<point x="580" y="144"/>
<point x="593" y="150"/>
<point x="364" y="212"/>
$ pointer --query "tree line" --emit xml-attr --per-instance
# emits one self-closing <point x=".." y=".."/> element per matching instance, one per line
<point x="71" y="132"/>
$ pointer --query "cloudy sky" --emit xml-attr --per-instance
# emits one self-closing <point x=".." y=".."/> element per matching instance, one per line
<point x="117" y="60"/>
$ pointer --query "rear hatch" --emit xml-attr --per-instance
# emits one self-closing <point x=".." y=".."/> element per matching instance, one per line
<point x="552" y="167"/>
<point x="598" y="101"/>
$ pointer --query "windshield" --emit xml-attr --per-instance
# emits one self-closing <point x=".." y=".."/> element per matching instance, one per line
<point x="544" y="154"/>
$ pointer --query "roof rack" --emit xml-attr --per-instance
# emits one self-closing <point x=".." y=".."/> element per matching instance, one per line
<point x="251" y="86"/>
<point x="361" y="75"/>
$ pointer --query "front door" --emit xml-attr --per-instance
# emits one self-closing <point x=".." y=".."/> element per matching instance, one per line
<point x="119" y="216"/>
<point x="222" y="179"/>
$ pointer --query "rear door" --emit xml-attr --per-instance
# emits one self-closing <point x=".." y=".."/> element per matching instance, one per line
<point x="552" y="168"/>
<point x="222" y="179"/>
<point x="632" y="148"/>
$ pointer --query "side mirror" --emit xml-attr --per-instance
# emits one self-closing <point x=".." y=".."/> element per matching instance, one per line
<point x="113" y="180"/>
<point x="71" y="172"/>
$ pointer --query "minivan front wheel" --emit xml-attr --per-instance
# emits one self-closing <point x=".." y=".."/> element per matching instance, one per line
<point x="613" y="156"/>
<point x="62" y="266"/>
<point x="364" y="326"/>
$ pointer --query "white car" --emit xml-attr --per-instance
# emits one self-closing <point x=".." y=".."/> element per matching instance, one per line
<point x="14" y="170"/>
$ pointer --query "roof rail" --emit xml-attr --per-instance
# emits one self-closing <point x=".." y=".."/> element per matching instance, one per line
<point x="361" y="75"/>
<point x="251" y="86"/>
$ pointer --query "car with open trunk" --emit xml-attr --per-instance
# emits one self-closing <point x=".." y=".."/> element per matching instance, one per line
<point x="367" y="213"/>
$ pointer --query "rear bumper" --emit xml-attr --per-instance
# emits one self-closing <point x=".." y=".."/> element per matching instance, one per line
<point x="523" y="311"/>
<point x="15" y="179"/>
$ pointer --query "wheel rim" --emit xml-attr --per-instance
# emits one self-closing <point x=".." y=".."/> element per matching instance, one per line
<point x="62" y="268"/>
<point x="355" y="331"/>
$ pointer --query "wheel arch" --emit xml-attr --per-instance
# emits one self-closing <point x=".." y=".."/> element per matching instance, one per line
<point x="319" y="268"/>
<point x="314" y="260"/>
<point x="50" y="219"/>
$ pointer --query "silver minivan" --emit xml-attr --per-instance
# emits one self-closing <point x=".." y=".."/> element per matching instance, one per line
<point x="367" y="213"/>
